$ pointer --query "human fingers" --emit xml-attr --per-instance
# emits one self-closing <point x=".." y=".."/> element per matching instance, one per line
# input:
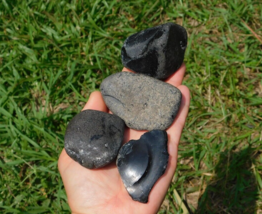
<point x="175" y="79"/>
<point x="96" y="102"/>
<point x="174" y="133"/>
<point x="175" y="130"/>
<point x="127" y="69"/>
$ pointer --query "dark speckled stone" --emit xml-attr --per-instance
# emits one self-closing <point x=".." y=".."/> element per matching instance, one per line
<point x="157" y="51"/>
<point x="142" y="162"/>
<point x="143" y="102"/>
<point x="93" y="138"/>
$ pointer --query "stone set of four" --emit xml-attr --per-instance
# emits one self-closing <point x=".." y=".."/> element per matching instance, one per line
<point x="139" y="100"/>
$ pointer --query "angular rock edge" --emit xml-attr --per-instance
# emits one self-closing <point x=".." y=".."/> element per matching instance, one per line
<point x="142" y="162"/>
<point x="157" y="52"/>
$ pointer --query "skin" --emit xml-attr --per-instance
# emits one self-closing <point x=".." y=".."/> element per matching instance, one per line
<point x="102" y="190"/>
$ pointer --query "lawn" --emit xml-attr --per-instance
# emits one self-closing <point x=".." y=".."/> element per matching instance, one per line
<point x="53" y="54"/>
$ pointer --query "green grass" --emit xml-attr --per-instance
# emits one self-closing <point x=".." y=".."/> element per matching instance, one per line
<point x="53" y="54"/>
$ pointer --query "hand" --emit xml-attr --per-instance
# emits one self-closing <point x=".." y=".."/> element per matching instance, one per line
<point x="102" y="190"/>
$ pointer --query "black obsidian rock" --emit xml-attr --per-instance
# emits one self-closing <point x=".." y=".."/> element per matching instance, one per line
<point x="142" y="162"/>
<point x="143" y="102"/>
<point x="93" y="138"/>
<point x="157" y="51"/>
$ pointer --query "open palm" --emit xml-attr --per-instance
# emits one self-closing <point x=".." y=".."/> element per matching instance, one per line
<point x="102" y="190"/>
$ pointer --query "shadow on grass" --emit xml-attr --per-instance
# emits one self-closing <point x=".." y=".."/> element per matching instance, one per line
<point x="234" y="188"/>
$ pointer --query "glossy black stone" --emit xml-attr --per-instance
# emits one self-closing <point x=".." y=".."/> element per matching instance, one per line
<point x="142" y="162"/>
<point x="157" y="51"/>
<point x="93" y="138"/>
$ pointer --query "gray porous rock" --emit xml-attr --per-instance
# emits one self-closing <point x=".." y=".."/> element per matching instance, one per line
<point x="142" y="162"/>
<point x="93" y="138"/>
<point x="143" y="102"/>
<point x="157" y="51"/>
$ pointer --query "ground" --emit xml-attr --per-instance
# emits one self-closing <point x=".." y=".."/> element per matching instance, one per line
<point x="53" y="54"/>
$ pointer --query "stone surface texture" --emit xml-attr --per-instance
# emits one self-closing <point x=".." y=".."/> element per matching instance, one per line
<point x="143" y="102"/>
<point x="157" y="51"/>
<point x="142" y="162"/>
<point x="93" y="138"/>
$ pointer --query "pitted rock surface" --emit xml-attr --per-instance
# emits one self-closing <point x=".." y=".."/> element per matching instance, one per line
<point x="157" y="51"/>
<point x="143" y="102"/>
<point x="93" y="138"/>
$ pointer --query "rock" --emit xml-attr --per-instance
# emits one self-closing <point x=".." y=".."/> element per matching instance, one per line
<point x="143" y="102"/>
<point x="157" y="51"/>
<point x="93" y="138"/>
<point x="142" y="162"/>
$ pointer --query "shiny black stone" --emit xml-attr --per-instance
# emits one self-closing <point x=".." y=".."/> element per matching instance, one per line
<point x="142" y="162"/>
<point x="157" y="51"/>
<point x="93" y="138"/>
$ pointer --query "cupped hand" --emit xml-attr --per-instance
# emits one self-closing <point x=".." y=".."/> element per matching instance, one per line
<point x="102" y="190"/>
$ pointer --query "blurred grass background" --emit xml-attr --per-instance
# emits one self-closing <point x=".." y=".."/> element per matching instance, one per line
<point x="53" y="54"/>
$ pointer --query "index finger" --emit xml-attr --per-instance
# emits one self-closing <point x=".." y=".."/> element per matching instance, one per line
<point x="175" y="79"/>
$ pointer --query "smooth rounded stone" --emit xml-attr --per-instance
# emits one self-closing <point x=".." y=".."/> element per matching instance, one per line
<point x="157" y="51"/>
<point x="93" y="138"/>
<point x="143" y="102"/>
<point x="142" y="162"/>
